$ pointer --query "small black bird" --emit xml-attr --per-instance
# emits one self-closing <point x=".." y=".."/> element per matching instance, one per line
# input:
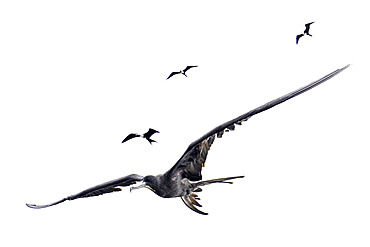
<point x="306" y="31"/>
<point x="298" y="37"/>
<point x="147" y="135"/>
<point x="181" y="72"/>
<point x="184" y="178"/>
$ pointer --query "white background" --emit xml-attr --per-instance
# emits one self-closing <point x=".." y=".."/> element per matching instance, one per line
<point x="78" y="76"/>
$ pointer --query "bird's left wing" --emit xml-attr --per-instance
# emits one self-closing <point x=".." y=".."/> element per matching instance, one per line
<point x="150" y="132"/>
<point x="189" y="67"/>
<point x="192" y="161"/>
<point x="308" y="24"/>
<point x="97" y="190"/>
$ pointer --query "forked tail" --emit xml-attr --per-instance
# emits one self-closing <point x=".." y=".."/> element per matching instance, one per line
<point x="217" y="180"/>
<point x="190" y="200"/>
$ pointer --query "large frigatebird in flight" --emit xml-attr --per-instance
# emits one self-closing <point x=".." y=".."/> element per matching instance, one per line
<point x="147" y="135"/>
<point x="181" y="71"/>
<point x="184" y="178"/>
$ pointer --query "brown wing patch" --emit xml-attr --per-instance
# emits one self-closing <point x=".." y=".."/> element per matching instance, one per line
<point x="196" y="158"/>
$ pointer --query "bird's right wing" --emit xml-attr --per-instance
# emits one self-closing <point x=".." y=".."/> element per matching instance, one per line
<point x="97" y="190"/>
<point x="192" y="161"/>
<point x="173" y="73"/>
<point x="298" y="37"/>
<point x="130" y="136"/>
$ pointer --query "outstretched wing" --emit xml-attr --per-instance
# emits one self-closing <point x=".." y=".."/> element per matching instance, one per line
<point x="130" y="136"/>
<point x="192" y="161"/>
<point x="308" y="24"/>
<point x="307" y="28"/>
<point x="98" y="190"/>
<point x="189" y="67"/>
<point x="298" y="37"/>
<point x="149" y="133"/>
<point x="173" y="73"/>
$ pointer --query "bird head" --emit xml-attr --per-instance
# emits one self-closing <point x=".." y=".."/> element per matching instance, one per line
<point x="149" y="182"/>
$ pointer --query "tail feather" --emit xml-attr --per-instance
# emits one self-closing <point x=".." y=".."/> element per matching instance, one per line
<point x="190" y="200"/>
<point x="217" y="180"/>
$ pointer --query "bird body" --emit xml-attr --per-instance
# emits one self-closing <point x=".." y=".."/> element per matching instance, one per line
<point x="306" y="31"/>
<point x="185" y="177"/>
<point x="147" y="136"/>
<point x="181" y="71"/>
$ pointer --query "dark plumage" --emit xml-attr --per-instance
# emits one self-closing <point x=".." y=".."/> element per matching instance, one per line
<point x="147" y="135"/>
<point x="130" y="136"/>
<point x="181" y="72"/>
<point x="306" y="31"/>
<point x="298" y="37"/>
<point x="183" y="179"/>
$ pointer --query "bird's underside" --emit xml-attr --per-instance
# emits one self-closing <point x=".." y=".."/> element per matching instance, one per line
<point x="177" y="182"/>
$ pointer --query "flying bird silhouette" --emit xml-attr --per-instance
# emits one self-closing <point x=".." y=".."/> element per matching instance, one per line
<point x="306" y="31"/>
<point x="147" y="135"/>
<point x="184" y="178"/>
<point x="181" y="71"/>
<point x="298" y="37"/>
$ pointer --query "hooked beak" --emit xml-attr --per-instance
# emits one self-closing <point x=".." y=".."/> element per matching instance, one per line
<point x="143" y="185"/>
<point x="138" y="187"/>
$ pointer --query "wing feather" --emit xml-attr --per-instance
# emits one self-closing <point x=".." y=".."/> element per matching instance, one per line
<point x="173" y="73"/>
<point x="130" y="136"/>
<point x="97" y="190"/>
<point x="189" y="67"/>
<point x="192" y="161"/>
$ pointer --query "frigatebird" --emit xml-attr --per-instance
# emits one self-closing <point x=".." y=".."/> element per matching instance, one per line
<point x="147" y="135"/>
<point x="306" y="31"/>
<point x="181" y="71"/>
<point x="298" y="37"/>
<point x="177" y="182"/>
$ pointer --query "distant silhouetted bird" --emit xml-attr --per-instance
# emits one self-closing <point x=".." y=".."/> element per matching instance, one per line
<point x="176" y="182"/>
<point x="181" y="72"/>
<point x="298" y="37"/>
<point x="147" y="136"/>
<point x="306" y="31"/>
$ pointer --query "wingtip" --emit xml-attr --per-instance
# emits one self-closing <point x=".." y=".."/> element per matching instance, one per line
<point x="345" y="67"/>
<point x="34" y="206"/>
<point x="30" y="205"/>
<point x="46" y="205"/>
